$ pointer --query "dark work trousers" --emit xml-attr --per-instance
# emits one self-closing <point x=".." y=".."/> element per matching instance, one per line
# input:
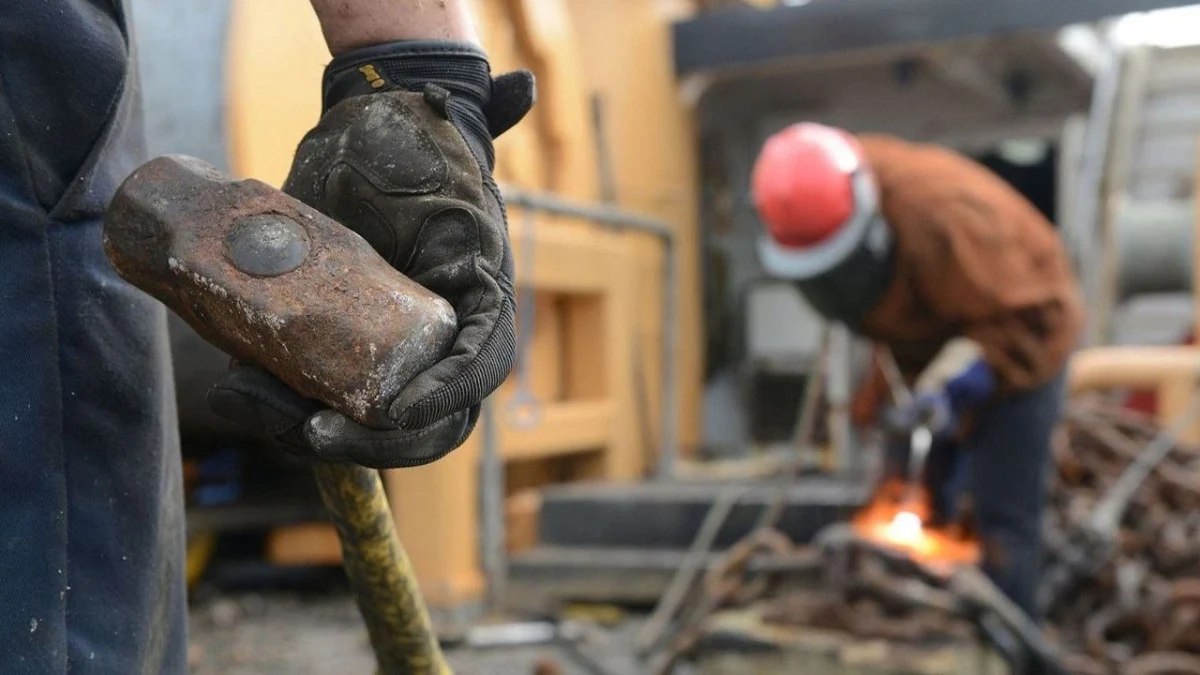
<point x="1004" y="464"/>
<point x="91" y="527"/>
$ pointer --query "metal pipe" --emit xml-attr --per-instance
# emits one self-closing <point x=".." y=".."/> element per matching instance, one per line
<point x="1082" y="232"/>
<point x="609" y="216"/>
<point x="838" y="394"/>
<point x="621" y="221"/>
<point x="668" y="442"/>
<point x="491" y="507"/>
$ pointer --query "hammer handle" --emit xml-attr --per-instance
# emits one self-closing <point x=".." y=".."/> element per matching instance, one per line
<point x="385" y="586"/>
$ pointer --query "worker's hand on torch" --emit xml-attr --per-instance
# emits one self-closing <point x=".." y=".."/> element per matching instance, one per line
<point x="403" y="156"/>
<point x="931" y="410"/>
<point x="942" y="408"/>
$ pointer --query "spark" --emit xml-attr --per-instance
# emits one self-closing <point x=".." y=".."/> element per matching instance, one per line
<point x="905" y="528"/>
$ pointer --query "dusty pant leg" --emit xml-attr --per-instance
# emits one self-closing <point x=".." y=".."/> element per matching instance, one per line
<point x="91" y="538"/>
<point x="1010" y="461"/>
<point x="91" y="530"/>
<point x="126" y="608"/>
<point x="33" y="499"/>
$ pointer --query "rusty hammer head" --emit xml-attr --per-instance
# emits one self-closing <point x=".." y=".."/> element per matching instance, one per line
<point x="275" y="283"/>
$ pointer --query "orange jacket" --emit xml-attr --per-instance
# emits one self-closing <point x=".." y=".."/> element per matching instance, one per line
<point x="973" y="258"/>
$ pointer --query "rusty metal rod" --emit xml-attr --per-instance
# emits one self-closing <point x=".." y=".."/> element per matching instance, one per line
<point x="653" y="630"/>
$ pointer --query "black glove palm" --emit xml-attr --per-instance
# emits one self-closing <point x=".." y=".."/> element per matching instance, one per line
<point x="403" y="156"/>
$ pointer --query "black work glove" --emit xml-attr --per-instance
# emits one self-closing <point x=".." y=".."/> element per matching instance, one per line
<point x="403" y="156"/>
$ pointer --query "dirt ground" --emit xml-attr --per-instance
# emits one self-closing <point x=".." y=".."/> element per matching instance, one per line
<point x="292" y="634"/>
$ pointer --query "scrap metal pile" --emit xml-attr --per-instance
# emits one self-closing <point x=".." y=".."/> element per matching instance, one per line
<point x="1126" y="603"/>
<point x="854" y="585"/>
<point x="1139" y="611"/>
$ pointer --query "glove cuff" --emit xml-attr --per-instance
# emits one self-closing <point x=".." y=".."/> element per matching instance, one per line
<point x="458" y="67"/>
<point x="972" y="387"/>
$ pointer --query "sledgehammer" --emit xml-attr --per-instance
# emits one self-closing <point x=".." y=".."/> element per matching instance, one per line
<point x="277" y="284"/>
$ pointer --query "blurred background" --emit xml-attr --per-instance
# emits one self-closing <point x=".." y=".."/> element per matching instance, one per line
<point x="659" y="365"/>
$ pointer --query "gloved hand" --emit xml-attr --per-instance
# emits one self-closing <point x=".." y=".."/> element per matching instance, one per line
<point x="931" y="409"/>
<point x="403" y="156"/>
<point x="942" y="409"/>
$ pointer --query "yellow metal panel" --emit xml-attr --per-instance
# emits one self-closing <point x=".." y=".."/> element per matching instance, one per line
<point x="626" y="57"/>
<point x="564" y="428"/>
<point x="599" y="292"/>
<point x="273" y="79"/>
<point x="438" y="520"/>
<point x="553" y="150"/>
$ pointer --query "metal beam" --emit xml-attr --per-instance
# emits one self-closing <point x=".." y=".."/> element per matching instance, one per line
<point x="744" y="36"/>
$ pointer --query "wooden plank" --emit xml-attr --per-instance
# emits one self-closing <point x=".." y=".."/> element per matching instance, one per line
<point x="564" y="428"/>
<point x="1099" y="368"/>
<point x="547" y="350"/>
<point x="436" y="508"/>
<point x="652" y="137"/>
<point x="520" y="157"/>
<point x="546" y="353"/>
<point x="625" y="459"/>
<point x="521" y="520"/>
<point x="547" y="41"/>
<point x="586" y="355"/>
<point x="273" y="44"/>
<point x="304" y="544"/>
<point x="569" y="257"/>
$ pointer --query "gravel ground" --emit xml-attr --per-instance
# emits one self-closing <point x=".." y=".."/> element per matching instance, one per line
<point x="286" y="633"/>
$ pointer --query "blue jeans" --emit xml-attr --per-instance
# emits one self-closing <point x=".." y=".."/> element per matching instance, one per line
<point x="1004" y="464"/>
<point x="91" y="518"/>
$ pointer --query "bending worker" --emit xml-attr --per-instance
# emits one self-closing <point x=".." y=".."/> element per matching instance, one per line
<point x="964" y="281"/>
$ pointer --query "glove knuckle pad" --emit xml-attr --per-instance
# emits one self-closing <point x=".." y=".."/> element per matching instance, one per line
<point x="347" y="198"/>
<point x="383" y="140"/>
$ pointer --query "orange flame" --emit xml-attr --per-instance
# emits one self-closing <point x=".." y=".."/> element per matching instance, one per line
<point x="896" y="518"/>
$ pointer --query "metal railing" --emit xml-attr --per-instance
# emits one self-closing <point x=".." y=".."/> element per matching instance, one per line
<point x="612" y="218"/>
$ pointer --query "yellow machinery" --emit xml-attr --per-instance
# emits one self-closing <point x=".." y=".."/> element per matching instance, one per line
<point x="609" y="124"/>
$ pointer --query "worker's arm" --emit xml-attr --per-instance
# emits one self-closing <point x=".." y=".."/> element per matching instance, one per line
<point x="403" y="156"/>
<point x="974" y="256"/>
<point x="995" y="268"/>
<point x="351" y="24"/>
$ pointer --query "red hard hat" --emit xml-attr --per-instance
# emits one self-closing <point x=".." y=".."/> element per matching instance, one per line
<point x="803" y="183"/>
